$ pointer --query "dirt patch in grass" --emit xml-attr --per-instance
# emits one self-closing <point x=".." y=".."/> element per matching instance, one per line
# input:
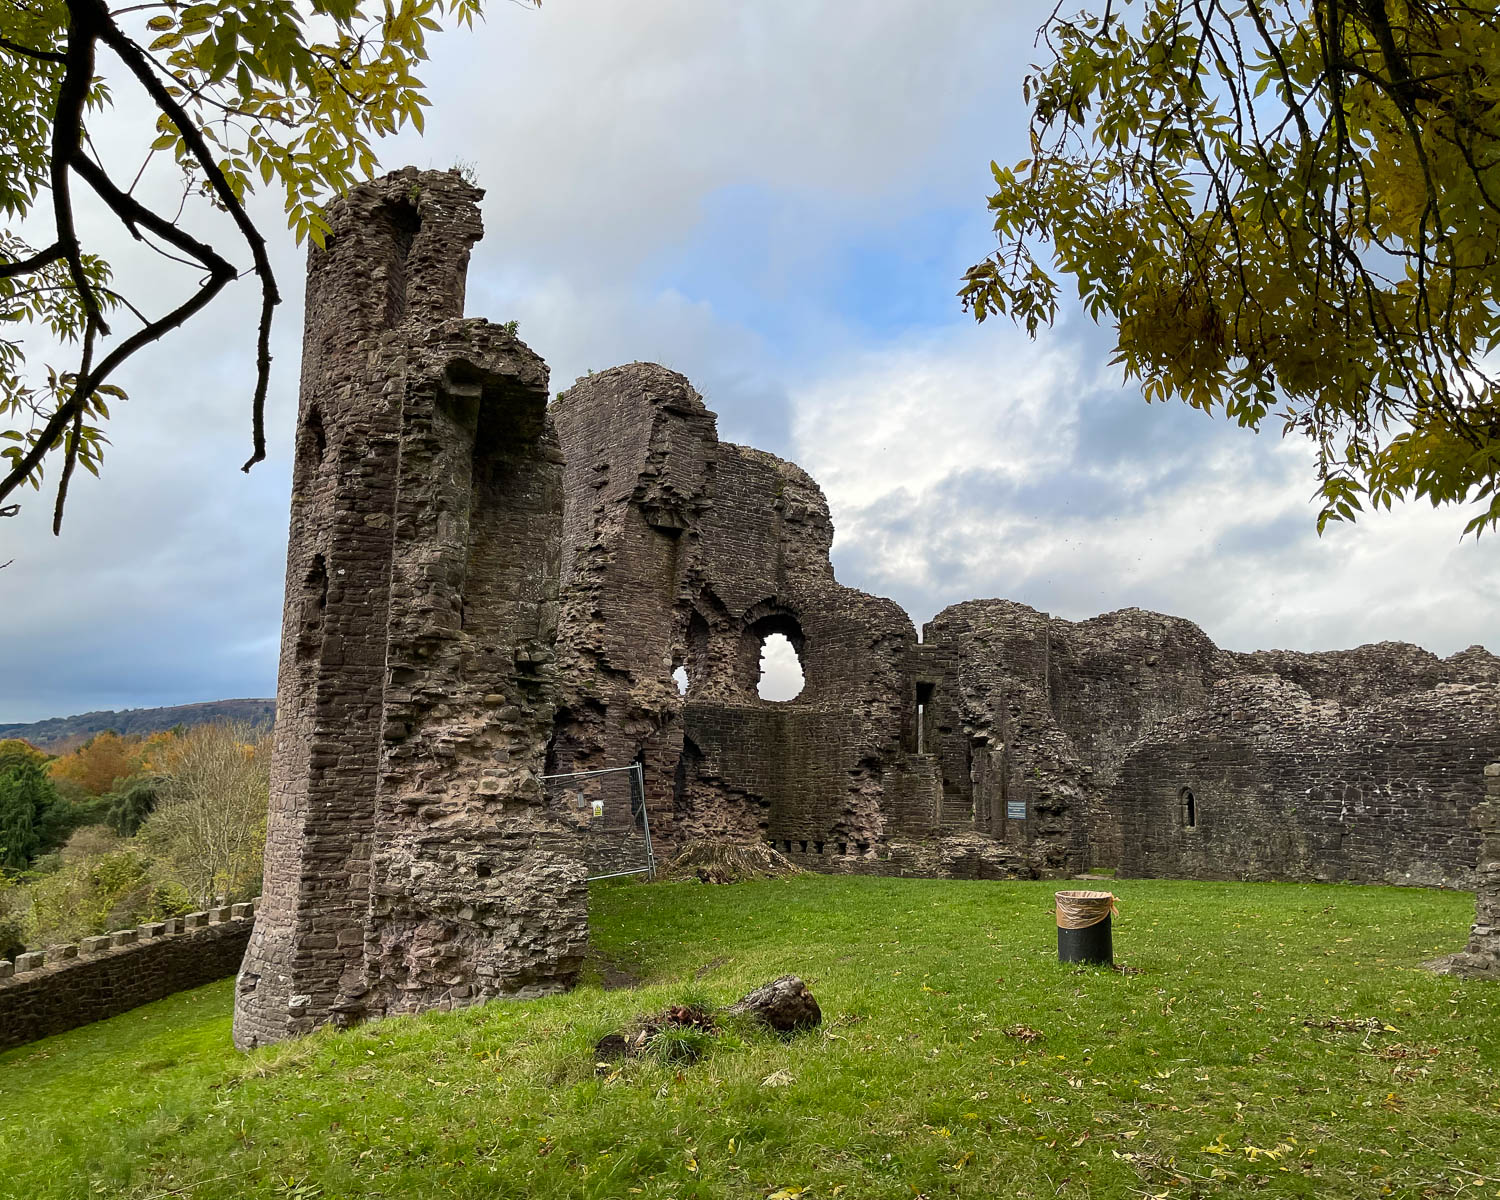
<point x="613" y="975"/>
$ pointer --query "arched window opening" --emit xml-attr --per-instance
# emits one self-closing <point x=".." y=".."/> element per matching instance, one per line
<point x="1189" y="808"/>
<point x="780" y="669"/>
<point x="680" y="678"/>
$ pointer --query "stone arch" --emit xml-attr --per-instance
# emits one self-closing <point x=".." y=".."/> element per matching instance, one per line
<point x="765" y="624"/>
<point x="1187" y="802"/>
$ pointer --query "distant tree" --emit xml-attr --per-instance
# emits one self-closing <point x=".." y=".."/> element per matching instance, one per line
<point x="15" y="752"/>
<point x="207" y="831"/>
<point x="1289" y="209"/>
<point x="93" y="892"/>
<point x="132" y="803"/>
<point x="239" y="93"/>
<point x="102" y="762"/>
<point x="12" y="917"/>
<point x="27" y="799"/>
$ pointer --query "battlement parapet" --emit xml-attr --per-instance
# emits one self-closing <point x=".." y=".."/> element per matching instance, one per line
<point x="46" y="992"/>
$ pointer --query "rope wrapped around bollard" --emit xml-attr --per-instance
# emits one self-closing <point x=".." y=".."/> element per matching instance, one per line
<point x="1084" y="932"/>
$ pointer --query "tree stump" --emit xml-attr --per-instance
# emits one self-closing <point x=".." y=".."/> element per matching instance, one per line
<point x="784" y="1005"/>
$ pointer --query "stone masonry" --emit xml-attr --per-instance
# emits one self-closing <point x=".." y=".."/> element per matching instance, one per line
<point x="412" y="860"/>
<point x="63" y="987"/>
<point x="684" y="552"/>
<point x="1007" y="742"/>
<point x="1285" y="786"/>
<point x="1481" y="958"/>
<point x="1358" y="765"/>
<point x="474" y="601"/>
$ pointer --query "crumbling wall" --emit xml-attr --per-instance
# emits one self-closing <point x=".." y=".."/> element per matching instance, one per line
<point x="1008" y="767"/>
<point x="445" y="545"/>
<point x="685" y="552"/>
<point x="411" y="861"/>
<point x="1266" y="782"/>
<point x="1370" y="673"/>
<point x="640" y="448"/>
<point x="476" y="887"/>
<point x="1047" y="711"/>
<point x="1481" y="958"/>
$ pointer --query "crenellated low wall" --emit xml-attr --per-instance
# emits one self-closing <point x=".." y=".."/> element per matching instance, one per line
<point x="51" y="991"/>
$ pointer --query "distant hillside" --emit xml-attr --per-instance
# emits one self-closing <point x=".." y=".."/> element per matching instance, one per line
<point x="60" y="733"/>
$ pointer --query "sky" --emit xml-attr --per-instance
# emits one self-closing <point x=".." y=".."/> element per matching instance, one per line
<point x="779" y="201"/>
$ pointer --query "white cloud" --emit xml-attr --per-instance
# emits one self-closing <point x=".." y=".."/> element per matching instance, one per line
<point x="953" y="470"/>
<point x="963" y="463"/>
<point x="599" y="128"/>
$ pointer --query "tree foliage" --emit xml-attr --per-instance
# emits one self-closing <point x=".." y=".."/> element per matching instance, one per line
<point x="16" y="752"/>
<point x="101" y="762"/>
<point x="93" y="893"/>
<point x="131" y="804"/>
<point x="1291" y="210"/>
<point x="287" y="94"/>
<point x="28" y="816"/>
<point x="208" y="826"/>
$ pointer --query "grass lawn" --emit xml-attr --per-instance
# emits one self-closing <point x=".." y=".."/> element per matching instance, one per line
<point x="1278" y="1039"/>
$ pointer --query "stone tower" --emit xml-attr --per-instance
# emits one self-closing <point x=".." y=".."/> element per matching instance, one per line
<point x="412" y="861"/>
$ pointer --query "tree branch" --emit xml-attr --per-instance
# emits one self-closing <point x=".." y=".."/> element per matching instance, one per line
<point x="35" y="263"/>
<point x="67" y="137"/>
<point x="140" y="66"/>
<point x="133" y="214"/>
<point x="32" y="52"/>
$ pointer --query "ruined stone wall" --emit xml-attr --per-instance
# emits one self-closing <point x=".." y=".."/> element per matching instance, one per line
<point x="993" y="747"/>
<point x="63" y="987"/>
<point x="476" y="887"/>
<point x="411" y="860"/>
<point x="1047" y="710"/>
<point x="687" y="552"/>
<point x="640" y="449"/>
<point x="1284" y="786"/>
<point x="474" y="602"/>
<point x="1008" y="767"/>
<point x="1367" y="674"/>
<point x="1481" y="958"/>
<point x="824" y="757"/>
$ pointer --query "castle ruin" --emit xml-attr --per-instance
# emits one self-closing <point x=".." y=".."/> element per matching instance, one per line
<point x="412" y="860"/>
<point x="483" y="589"/>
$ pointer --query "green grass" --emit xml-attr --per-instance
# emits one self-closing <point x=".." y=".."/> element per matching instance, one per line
<point x="1241" y="1058"/>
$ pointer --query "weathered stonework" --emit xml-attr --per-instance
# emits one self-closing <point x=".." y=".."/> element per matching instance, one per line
<point x="1033" y="715"/>
<point x="474" y="601"/>
<point x="61" y="989"/>
<point x="412" y="860"/>
<point x="999" y="745"/>
<point x="1288" y="787"/>
<point x="1481" y="958"/>
<point x="681" y="551"/>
